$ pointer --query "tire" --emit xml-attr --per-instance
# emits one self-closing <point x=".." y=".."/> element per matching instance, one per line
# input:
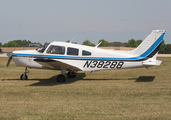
<point x="71" y="74"/>
<point x="61" y="78"/>
<point x="22" y="77"/>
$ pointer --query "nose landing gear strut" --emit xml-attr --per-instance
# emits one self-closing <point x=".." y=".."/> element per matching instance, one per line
<point x="24" y="76"/>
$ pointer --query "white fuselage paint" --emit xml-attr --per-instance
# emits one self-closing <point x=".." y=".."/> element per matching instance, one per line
<point x="100" y="59"/>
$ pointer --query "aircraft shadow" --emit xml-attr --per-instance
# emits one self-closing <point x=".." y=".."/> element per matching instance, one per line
<point x="52" y="81"/>
<point x="145" y="79"/>
<point x="139" y="79"/>
<point x="111" y="79"/>
<point x="80" y="76"/>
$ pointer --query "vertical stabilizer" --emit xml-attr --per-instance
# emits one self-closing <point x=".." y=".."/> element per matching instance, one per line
<point x="150" y="46"/>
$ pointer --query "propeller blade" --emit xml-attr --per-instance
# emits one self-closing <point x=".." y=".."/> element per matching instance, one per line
<point x="10" y="57"/>
<point x="9" y="60"/>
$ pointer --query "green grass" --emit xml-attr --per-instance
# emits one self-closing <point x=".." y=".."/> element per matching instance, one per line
<point x="115" y="94"/>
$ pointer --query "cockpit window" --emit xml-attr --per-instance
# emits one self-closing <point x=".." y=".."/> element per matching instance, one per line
<point x="54" y="49"/>
<point x="72" y="51"/>
<point x="42" y="48"/>
<point x="86" y="53"/>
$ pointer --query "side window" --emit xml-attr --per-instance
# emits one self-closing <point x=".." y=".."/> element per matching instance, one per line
<point x="53" y="49"/>
<point x="72" y="51"/>
<point x="86" y="53"/>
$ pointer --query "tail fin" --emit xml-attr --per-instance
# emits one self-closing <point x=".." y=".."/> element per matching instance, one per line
<point x="150" y="46"/>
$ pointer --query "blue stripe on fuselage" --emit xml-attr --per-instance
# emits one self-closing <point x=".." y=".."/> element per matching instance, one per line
<point x="75" y="57"/>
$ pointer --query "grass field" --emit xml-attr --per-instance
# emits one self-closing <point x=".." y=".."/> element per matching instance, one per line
<point x="117" y="94"/>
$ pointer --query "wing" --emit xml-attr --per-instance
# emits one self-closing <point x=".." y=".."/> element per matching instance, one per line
<point x="55" y="64"/>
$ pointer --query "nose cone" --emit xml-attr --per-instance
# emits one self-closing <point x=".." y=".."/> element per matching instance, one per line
<point x="9" y="54"/>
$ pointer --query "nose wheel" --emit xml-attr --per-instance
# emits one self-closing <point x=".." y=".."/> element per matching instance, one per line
<point x="24" y="75"/>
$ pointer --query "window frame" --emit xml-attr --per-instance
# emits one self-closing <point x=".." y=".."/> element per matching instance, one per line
<point x="57" y="51"/>
<point x="84" y="53"/>
<point x="72" y="51"/>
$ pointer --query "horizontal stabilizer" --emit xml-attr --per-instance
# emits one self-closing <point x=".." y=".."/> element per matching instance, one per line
<point x="152" y="63"/>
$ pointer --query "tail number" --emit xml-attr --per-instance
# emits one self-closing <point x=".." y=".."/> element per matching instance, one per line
<point x="103" y="64"/>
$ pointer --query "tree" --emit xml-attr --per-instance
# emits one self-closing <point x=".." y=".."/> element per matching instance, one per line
<point x="131" y="43"/>
<point x="117" y="44"/>
<point x="104" y="43"/>
<point x="19" y="43"/>
<point x="36" y="43"/>
<point x="168" y="49"/>
<point x="88" y="43"/>
<point x="162" y="47"/>
<point x="165" y="49"/>
<point x="0" y="44"/>
<point x="138" y="42"/>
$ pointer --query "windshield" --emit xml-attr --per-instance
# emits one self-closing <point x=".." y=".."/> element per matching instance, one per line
<point x="42" y="48"/>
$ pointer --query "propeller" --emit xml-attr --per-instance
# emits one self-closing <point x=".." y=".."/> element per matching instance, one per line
<point x="10" y="57"/>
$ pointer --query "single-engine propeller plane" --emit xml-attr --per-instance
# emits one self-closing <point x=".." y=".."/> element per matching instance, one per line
<point x="71" y="57"/>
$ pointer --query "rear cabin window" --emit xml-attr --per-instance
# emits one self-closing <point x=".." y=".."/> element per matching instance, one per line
<point x="86" y="53"/>
<point x="54" y="49"/>
<point x="72" y="51"/>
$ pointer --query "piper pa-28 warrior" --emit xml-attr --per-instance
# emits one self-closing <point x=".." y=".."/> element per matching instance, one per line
<point x="70" y="58"/>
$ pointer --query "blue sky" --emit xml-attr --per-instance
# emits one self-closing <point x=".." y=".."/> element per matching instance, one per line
<point x="60" y="20"/>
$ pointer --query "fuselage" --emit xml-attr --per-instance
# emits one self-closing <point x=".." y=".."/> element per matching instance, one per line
<point x="74" y="57"/>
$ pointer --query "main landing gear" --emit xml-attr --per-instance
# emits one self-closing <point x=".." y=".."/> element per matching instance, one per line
<point x="61" y="78"/>
<point x="71" y="74"/>
<point x="24" y="75"/>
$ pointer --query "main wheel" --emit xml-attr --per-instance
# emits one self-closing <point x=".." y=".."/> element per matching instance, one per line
<point x="71" y="74"/>
<point x="61" y="78"/>
<point x="23" y="77"/>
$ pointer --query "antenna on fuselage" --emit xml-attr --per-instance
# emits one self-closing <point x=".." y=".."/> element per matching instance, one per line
<point x="73" y="38"/>
<point x="98" y="44"/>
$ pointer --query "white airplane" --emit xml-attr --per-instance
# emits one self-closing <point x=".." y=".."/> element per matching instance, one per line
<point x="73" y="57"/>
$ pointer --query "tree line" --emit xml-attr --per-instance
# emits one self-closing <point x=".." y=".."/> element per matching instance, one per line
<point x="104" y="43"/>
<point x="164" y="48"/>
<point x="19" y="43"/>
